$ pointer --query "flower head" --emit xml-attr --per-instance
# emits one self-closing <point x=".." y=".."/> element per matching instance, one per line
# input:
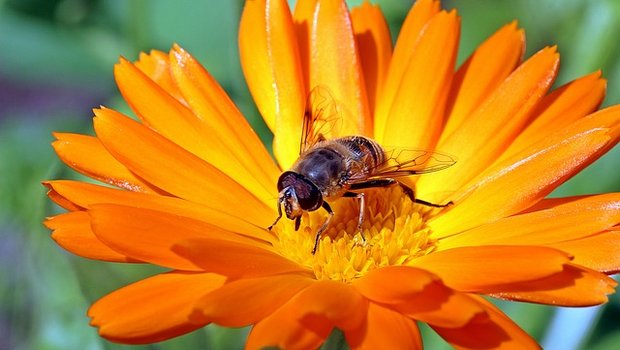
<point x="193" y="189"/>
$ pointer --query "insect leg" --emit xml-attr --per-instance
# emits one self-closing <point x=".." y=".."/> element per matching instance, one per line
<point x="409" y="192"/>
<point x="360" y="219"/>
<point x="278" y="218"/>
<point x="297" y="223"/>
<point x="385" y="182"/>
<point x="325" y="224"/>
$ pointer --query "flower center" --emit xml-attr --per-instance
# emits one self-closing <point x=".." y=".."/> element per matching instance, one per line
<point x="394" y="228"/>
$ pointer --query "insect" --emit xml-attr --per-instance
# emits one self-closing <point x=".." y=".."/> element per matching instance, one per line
<point x="328" y="169"/>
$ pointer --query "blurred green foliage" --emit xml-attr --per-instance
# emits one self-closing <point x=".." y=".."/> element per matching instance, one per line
<point x="56" y="62"/>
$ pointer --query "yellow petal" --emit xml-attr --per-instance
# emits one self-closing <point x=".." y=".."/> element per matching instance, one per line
<point x="330" y="34"/>
<point x="571" y="220"/>
<point x="374" y="43"/>
<point x="491" y="128"/>
<point x="272" y="68"/>
<point x="482" y="72"/>
<point x="416" y="21"/>
<point x="154" y="309"/>
<point x="174" y="169"/>
<point x="416" y="115"/>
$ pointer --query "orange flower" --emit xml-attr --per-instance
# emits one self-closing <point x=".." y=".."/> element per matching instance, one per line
<point x="195" y="188"/>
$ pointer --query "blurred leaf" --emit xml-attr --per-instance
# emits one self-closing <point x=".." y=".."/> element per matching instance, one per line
<point x="608" y="342"/>
<point x="432" y="340"/>
<point x="335" y="341"/>
<point x="221" y="338"/>
<point x="39" y="51"/>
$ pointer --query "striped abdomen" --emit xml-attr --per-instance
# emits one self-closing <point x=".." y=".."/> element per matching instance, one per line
<point x="364" y="150"/>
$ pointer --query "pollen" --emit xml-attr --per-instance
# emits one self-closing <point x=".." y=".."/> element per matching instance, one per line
<point x="394" y="229"/>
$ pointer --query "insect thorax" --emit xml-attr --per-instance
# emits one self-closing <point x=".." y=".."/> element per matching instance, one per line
<point x="322" y="165"/>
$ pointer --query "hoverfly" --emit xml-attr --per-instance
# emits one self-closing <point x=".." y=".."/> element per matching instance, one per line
<point x="328" y="169"/>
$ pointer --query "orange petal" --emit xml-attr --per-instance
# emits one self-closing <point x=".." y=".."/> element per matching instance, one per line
<point x="419" y="295"/>
<point x="570" y="220"/>
<point x="420" y="99"/>
<point x="308" y="318"/>
<point x="235" y="258"/>
<point x="416" y="21"/>
<point x="272" y="69"/>
<point x="247" y="301"/>
<point x="156" y="66"/>
<point x="385" y="329"/>
<point x="559" y="109"/>
<point x="225" y="123"/>
<point x="172" y="168"/>
<point x="149" y="235"/>
<point x="330" y="34"/>
<point x="483" y="72"/>
<point x="376" y="287"/>
<point x="600" y="252"/>
<point x="303" y="16"/>
<point x="337" y="302"/>
<point x="530" y="175"/>
<point x="477" y="269"/>
<point x="72" y="232"/>
<point x="496" y="331"/>
<point x="283" y="330"/>
<point x="374" y="43"/>
<point x="86" y="155"/>
<point x="573" y="286"/>
<point x="177" y="123"/>
<point x="60" y="199"/>
<point x="490" y="129"/>
<point x="154" y="309"/>
<point x="441" y="306"/>
<point x="83" y="195"/>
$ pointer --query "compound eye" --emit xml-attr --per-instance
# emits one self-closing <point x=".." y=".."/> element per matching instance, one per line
<point x="308" y="196"/>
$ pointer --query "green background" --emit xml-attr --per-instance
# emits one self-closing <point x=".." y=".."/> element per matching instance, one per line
<point x="56" y="59"/>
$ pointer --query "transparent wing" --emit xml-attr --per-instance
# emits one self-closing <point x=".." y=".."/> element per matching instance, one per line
<point x="321" y="118"/>
<point x="406" y="162"/>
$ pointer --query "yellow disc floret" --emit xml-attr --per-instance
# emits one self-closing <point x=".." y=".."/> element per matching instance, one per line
<point x="394" y="228"/>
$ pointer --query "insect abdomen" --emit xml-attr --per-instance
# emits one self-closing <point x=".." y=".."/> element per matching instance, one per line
<point x="364" y="150"/>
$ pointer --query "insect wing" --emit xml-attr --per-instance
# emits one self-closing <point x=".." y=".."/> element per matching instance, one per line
<point x="406" y="162"/>
<point x="321" y="118"/>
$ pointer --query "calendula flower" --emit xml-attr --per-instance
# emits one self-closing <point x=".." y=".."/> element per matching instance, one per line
<point x="193" y="189"/>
